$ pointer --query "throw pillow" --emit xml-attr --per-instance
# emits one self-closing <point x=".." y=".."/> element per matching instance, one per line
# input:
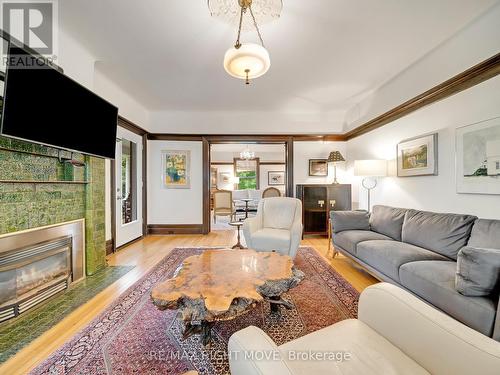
<point x="478" y="271"/>
<point x="350" y="220"/>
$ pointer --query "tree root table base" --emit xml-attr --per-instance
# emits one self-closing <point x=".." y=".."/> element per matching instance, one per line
<point x="220" y="285"/>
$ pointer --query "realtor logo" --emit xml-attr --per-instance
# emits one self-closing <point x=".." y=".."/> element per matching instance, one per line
<point x="31" y="22"/>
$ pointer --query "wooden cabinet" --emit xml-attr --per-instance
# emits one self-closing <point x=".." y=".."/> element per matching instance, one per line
<point x="318" y="201"/>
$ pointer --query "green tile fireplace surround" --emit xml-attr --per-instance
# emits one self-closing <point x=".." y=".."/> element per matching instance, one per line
<point x="50" y="192"/>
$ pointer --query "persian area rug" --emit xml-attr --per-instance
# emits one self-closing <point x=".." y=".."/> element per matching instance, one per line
<point x="133" y="337"/>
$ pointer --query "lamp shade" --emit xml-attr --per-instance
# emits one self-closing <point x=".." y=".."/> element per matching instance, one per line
<point x="335" y="156"/>
<point x="370" y="168"/>
<point x="249" y="57"/>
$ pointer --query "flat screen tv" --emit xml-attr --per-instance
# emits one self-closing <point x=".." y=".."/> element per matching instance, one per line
<point x="44" y="106"/>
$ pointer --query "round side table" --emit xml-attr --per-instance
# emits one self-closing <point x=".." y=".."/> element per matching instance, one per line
<point x="238" y="225"/>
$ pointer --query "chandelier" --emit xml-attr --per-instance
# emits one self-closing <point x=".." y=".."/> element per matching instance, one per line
<point x="246" y="60"/>
<point x="246" y="154"/>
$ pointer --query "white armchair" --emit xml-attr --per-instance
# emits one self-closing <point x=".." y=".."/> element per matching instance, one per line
<point x="277" y="226"/>
<point x="395" y="333"/>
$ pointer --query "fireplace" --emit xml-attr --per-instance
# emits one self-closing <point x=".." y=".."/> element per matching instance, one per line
<point x="37" y="264"/>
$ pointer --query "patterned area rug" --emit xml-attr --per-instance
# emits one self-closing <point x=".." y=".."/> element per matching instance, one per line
<point x="133" y="337"/>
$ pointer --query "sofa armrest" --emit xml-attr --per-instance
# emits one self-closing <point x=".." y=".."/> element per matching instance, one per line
<point x="496" y="328"/>
<point x="349" y="220"/>
<point x="252" y="352"/>
<point x="434" y="340"/>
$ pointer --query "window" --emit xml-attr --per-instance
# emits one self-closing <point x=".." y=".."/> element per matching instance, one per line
<point x="498" y="165"/>
<point x="248" y="173"/>
<point x="128" y="181"/>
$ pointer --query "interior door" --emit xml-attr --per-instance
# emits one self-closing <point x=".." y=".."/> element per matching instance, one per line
<point x="128" y="175"/>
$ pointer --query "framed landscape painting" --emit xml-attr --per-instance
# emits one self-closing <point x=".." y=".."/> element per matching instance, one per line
<point x="275" y="178"/>
<point x="418" y="156"/>
<point x="318" y="167"/>
<point x="478" y="157"/>
<point x="176" y="169"/>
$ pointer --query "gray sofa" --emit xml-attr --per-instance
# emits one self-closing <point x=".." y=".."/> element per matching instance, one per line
<point x="418" y="251"/>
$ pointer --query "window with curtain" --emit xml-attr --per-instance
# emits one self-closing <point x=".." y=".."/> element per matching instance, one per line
<point x="248" y="172"/>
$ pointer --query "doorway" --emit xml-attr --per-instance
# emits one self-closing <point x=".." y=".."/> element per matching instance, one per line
<point x="245" y="170"/>
<point x="128" y="176"/>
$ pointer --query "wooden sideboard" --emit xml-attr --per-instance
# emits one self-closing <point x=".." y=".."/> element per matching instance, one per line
<point x="318" y="201"/>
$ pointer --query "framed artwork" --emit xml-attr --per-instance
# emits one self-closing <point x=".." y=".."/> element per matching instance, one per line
<point x="318" y="167"/>
<point x="275" y="178"/>
<point x="478" y="157"/>
<point x="418" y="156"/>
<point x="176" y="172"/>
<point x="225" y="177"/>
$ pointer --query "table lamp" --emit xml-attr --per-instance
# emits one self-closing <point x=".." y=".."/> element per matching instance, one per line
<point x="335" y="157"/>
<point x="370" y="169"/>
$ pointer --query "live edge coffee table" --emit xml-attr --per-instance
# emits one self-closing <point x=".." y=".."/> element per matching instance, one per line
<point x="220" y="285"/>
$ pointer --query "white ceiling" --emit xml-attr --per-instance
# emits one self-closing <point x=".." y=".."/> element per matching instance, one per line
<point x="325" y="54"/>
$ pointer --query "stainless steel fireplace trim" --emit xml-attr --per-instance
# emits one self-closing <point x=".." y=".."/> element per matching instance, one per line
<point x="14" y="259"/>
<point x="41" y="296"/>
<point x="10" y="311"/>
<point x="31" y="237"/>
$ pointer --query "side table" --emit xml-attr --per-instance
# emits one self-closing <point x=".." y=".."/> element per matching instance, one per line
<point x="238" y="225"/>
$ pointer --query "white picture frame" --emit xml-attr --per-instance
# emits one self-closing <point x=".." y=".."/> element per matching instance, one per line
<point x="477" y="158"/>
<point x="418" y="156"/>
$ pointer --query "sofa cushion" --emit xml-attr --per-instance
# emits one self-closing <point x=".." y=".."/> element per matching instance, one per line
<point x="279" y="212"/>
<point x="240" y="194"/>
<point x="445" y="234"/>
<point x="388" y="220"/>
<point x="350" y="220"/>
<point x="434" y="281"/>
<point x="485" y="234"/>
<point x="268" y="239"/>
<point x="388" y="256"/>
<point x="256" y="195"/>
<point x="478" y="271"/>
<point x="349" y="239"/>
<point x="369" y="352"/>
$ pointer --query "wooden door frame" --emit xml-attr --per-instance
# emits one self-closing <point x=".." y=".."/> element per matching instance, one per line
<point x="128" y="125"/>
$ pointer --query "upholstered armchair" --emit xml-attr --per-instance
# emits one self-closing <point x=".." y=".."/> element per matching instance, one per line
<point x="276" y="227"/>
<point x="223" y="204"/>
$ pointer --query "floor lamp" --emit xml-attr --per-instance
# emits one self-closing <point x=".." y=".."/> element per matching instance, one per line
<point x="370" y="170"/>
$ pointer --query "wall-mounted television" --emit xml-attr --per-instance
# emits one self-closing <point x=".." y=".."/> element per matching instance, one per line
<point x="42" y="105"/>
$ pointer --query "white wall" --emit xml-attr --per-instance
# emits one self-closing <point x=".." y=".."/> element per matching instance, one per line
<point x="473" y="44"/>
<point x="303" y="151"/>
<point x="129" y="108"/>
<point x="435" y="193"/>
<point x="76" y="61"/>
<point x="174" y="206"/>
<point x="81" y="65"/>
<point x="252" y="122"/>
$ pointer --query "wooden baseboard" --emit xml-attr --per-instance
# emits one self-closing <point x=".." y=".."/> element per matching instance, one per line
<point x="175" y="228"/>
<point x="109" y="247"/>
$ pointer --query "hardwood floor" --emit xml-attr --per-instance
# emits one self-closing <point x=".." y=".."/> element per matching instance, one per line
<point x="144" y="255"/>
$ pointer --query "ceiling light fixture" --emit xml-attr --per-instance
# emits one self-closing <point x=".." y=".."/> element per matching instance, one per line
<point x="246" y="154"/>
<point x="246" y="60"/>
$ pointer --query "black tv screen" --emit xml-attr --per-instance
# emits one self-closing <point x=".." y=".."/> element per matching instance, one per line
<point x="44" y="106"/>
